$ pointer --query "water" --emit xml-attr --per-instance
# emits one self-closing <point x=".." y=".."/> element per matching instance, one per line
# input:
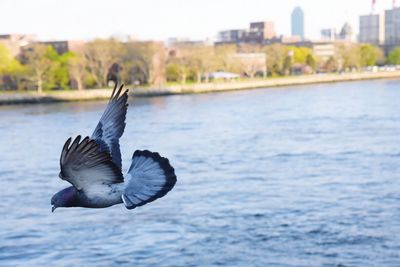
<point x="301" y="176"/>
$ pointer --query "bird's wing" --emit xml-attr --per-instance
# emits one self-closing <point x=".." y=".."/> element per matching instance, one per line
<point x="112" y="124"/>
<point x="84" y="165"/>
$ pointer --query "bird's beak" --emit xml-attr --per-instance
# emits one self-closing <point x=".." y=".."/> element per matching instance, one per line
<point x="53" y="208"/>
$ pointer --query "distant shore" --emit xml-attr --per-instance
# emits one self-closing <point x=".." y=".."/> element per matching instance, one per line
<point x="101" y="94"/>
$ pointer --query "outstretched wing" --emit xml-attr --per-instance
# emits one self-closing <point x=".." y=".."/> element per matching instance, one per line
<point x="112" y="124"/>
<point x="84" y="165"/>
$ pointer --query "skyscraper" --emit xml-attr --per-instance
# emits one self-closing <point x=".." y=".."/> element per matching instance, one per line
<point x="392" y="28"/>
<point x="372" y="29"/>
<point x="298" y="22"/>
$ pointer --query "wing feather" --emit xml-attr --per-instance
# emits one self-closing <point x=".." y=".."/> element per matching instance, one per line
<point x="112" y="124"/>
<point x="83" y="164"/>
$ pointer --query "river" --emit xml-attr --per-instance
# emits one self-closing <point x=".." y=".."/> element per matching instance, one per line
<point x="292" y="176"/>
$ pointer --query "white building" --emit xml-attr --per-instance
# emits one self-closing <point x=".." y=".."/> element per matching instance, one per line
<point x="324" y="49"/>
<point x="372" y="29"/>
<point x="328" y="34"/>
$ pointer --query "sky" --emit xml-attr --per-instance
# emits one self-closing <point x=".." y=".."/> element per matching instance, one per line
<point x="162" y="19"/>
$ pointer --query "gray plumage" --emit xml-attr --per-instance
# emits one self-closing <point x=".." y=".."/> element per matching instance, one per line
<point x="93" y="166"/>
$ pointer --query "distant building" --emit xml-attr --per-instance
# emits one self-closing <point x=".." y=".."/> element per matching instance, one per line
<point x="260" y="31"/>
<point x="65" y="46"/>
<point x="15" y="42"/>
<point x="372" y="29"/>
<point x="346" y="33"/>
<point x="323" y="50"/>
<point x="392" y="28"/>
<point x="328" y="34"/>
<point x="231" y="36"/>
<point x="286" y="40"/>
<point x="298" y="22"/>
<point x="174" y="42"/>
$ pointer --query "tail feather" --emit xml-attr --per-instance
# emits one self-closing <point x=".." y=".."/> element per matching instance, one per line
<point x="149" y="177"/>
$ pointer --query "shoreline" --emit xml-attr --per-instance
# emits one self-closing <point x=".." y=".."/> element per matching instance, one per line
<point x="104" y="94"/>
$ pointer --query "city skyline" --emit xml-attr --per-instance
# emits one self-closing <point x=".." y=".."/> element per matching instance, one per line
<point x="159" y="20"/>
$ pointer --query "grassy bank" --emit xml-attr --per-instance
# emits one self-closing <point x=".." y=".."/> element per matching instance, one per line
<point x="95" y="94"/>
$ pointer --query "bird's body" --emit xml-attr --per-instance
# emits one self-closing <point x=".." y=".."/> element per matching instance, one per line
<point x="102" y="196"/>
<point x="93" y="166"/>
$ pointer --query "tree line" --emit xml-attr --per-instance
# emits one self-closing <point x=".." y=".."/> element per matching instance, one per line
<point x="40" y="67"/>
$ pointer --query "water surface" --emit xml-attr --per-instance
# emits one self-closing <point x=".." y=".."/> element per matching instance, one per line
<point x="296" y="176"/>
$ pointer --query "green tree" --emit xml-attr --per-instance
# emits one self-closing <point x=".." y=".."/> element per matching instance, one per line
<point x="300" y="54"/>
<point x="370" y="55"/>
<point x="311" y="61"/>
<point x="172" y="72"/>
<point x="394" y="56"/>
<point x="39" y="64"/>
<point x="59" y="76"/>
<point x="11" y="68"/>
<point x="276" y="56"/>
<point x="5" y="58"/>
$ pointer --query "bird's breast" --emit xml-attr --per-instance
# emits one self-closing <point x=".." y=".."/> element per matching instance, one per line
<point x="102" y="195"/>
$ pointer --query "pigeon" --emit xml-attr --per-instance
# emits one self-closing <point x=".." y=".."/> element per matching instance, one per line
<point x="93" y="166"/>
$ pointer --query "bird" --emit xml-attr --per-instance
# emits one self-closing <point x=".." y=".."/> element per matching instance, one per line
<point x="93" y="166"/>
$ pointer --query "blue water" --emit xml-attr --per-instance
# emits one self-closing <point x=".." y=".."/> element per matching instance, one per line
<point x="299" y="176"/>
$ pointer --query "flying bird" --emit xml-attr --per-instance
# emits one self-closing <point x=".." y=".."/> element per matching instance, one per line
<point x="93" y="166"/>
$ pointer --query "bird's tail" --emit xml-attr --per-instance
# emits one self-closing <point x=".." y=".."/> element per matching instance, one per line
<point x="149" y="177"/>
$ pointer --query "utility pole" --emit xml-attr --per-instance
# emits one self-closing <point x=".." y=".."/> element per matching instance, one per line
<point x="373" y="6"/>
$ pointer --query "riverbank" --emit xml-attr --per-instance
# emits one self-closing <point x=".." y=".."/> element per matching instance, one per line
<point x="101" y="94"/>
<point x="264" y="83"/>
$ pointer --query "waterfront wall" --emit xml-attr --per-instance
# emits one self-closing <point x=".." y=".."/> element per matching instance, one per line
<point x="271" y="82"/>
<point x="96" y="94"/>
<point x="56" y="96"/>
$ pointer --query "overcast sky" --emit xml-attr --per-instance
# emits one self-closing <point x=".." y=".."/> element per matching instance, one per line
<point x="161" y="19"/>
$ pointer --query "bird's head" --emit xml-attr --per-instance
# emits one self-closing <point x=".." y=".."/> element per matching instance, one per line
<point x="65" y="198"/>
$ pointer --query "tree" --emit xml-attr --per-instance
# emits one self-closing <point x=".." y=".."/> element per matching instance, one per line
<point x="101" y="55"/>
<point x="172" y="72"/>
<point x="300" y="54"/>
<point x="331" y="65"/>
<point x="287" y="65"/>
<point x="394" y="56"/>
<point x="349" y="55"/>
<point x="59" y="73"/>
<point x="181" y="62"/>
<point x="201" y="59"/>
<point x="143" y="62"/>
<point x="10" y="69"/>
<point x="276" y="55"/>
<point x="310" y="61"/>
<point x="370" y="55"/>
<point x="224" y="59"/>
<point x="5" y="58"/>
<point x="77" y="69"/>
<point x="251" y="63"/>
<point x="38" y="64"/>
